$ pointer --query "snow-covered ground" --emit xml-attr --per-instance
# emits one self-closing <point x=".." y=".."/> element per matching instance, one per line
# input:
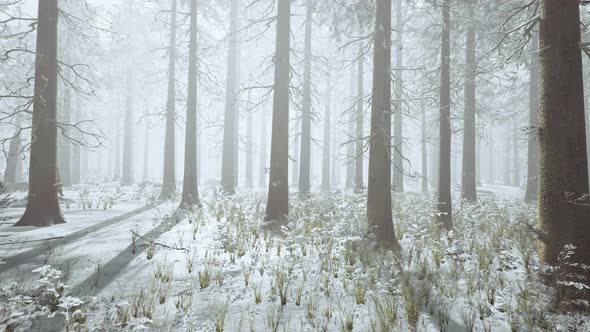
<point x="138" y="264"/>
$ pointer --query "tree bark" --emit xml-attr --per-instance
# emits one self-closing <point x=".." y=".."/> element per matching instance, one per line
<point x="563" y="172"/>
<point x="63" y="151"/>
<point x="351" y="137"/>
<point x="277" y="207"/>
<point x="468" y="183"/>
<point x="42" y="204"/>
<point x="398" y="140"/>
<point x="169" y="174"/>
<point x="379" y="212"/>
<point x="444" y="206"/>
<point x="515" y="155"/>
<point x="305" y="159"/>
<point x="532" y="188"/>
<point x="295" y="168"/>
<point x="190" y="192"/>
<point x="228" y="163"/>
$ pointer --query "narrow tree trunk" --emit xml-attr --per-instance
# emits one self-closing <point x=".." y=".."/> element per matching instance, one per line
<point x="326" y="152"/>
<point x="398" y="140"/>
<point x="146" y="153"/>
<point x="515" y="155"/>
<point x="190" y="192"/>
<point x="64" y="133"/>
<point x="468" y="183"/>
<point x="277" y="207"/>
<point x="228" y="163"/>
<point x="444" y="206"/>
<point x="75" y="162"/>
<point x="127" y="176"/>
<point x="424" y="154"/>
<point x="262" y="160"/>
<point x="350" y="161"/>
<point x="507" y="153"/>
<point x="117" y="152"/>
<point x="335" y="176"/>
<point x="360" y="118"/>
<point x="42" y="204"/>
<point x="532" y="188"/>
<point x="478" y="160"/>
<point x="169" y="175"/>
<point x="13" y="157"/>
<point x="379" y="212"/>
<point x="295" y="168"/>
<point x="563" y="172"/>
<point x="249" y="152"/>
<point x="492" y="158"/>
<point x="305" y="159"/>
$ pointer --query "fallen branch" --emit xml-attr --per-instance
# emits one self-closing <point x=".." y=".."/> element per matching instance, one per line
<point x="158" y="243"/>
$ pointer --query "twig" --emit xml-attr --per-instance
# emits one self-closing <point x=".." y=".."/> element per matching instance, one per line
<point x="158" y="243"/>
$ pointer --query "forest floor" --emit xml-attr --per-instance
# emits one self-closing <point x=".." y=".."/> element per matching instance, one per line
<point x="125" y="261"/>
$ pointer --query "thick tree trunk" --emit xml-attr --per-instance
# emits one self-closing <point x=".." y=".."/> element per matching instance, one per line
<point x="424" y="145"/>
<point x="326" y="151"/>
<point x="305" y="159"/>
<point x="228" y="163"/>
<point x="75" y="161"/>
<point x="262" y="160"/>
<point x="444" y="206"/>
<point x="190" y="192"/>
<point x="127" y="177"/>
<point x="360" y="118"/>
<point x="398" y="139"/>
<point x="42" y="204"/>
<point x="379" y="212"/>
<point x="563" y="172"/>
<point x="532" y="188"/>
<point x="468" y="183"/>
<point x="277" y="207"/>
<point x="169" y="175"/>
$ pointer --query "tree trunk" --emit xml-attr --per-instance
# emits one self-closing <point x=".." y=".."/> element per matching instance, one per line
<point x="444" y="206"/>
<point x="190" y="192"/>
<point x="563" y="172"/>
<point x="349" y="184"/>
<point x="262" y="161"/>
<point x="507" y="153"/>
<point x="42" y="204"/>
<point x="424" y="154"/>
<point x="146" y="153"/>
<point x="468" y="183"/>
<point x="360" y="118"/>
<point x="277" y="207"/>
<point x="326" y="152"/>
<point x="398" y="139"/>
<point x="13" y="157"/>
<point x="228" y="163"/>
<point x="305" y="159"/>
<point x="169" y="175"/>
<point x="127" y="176"/>
<point x="532" y="188"/>
<point x="64" y="138"/>
<point x="379" y="213"/>
<point x="515" y="155"/>
<point x="249" y="152"/>
<point x="478" y="160"/>
<point x="75" y="161"/>
<point x="117" y="152"/>
<point x="295" y="168"/>
<point x="492" y="159"/>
